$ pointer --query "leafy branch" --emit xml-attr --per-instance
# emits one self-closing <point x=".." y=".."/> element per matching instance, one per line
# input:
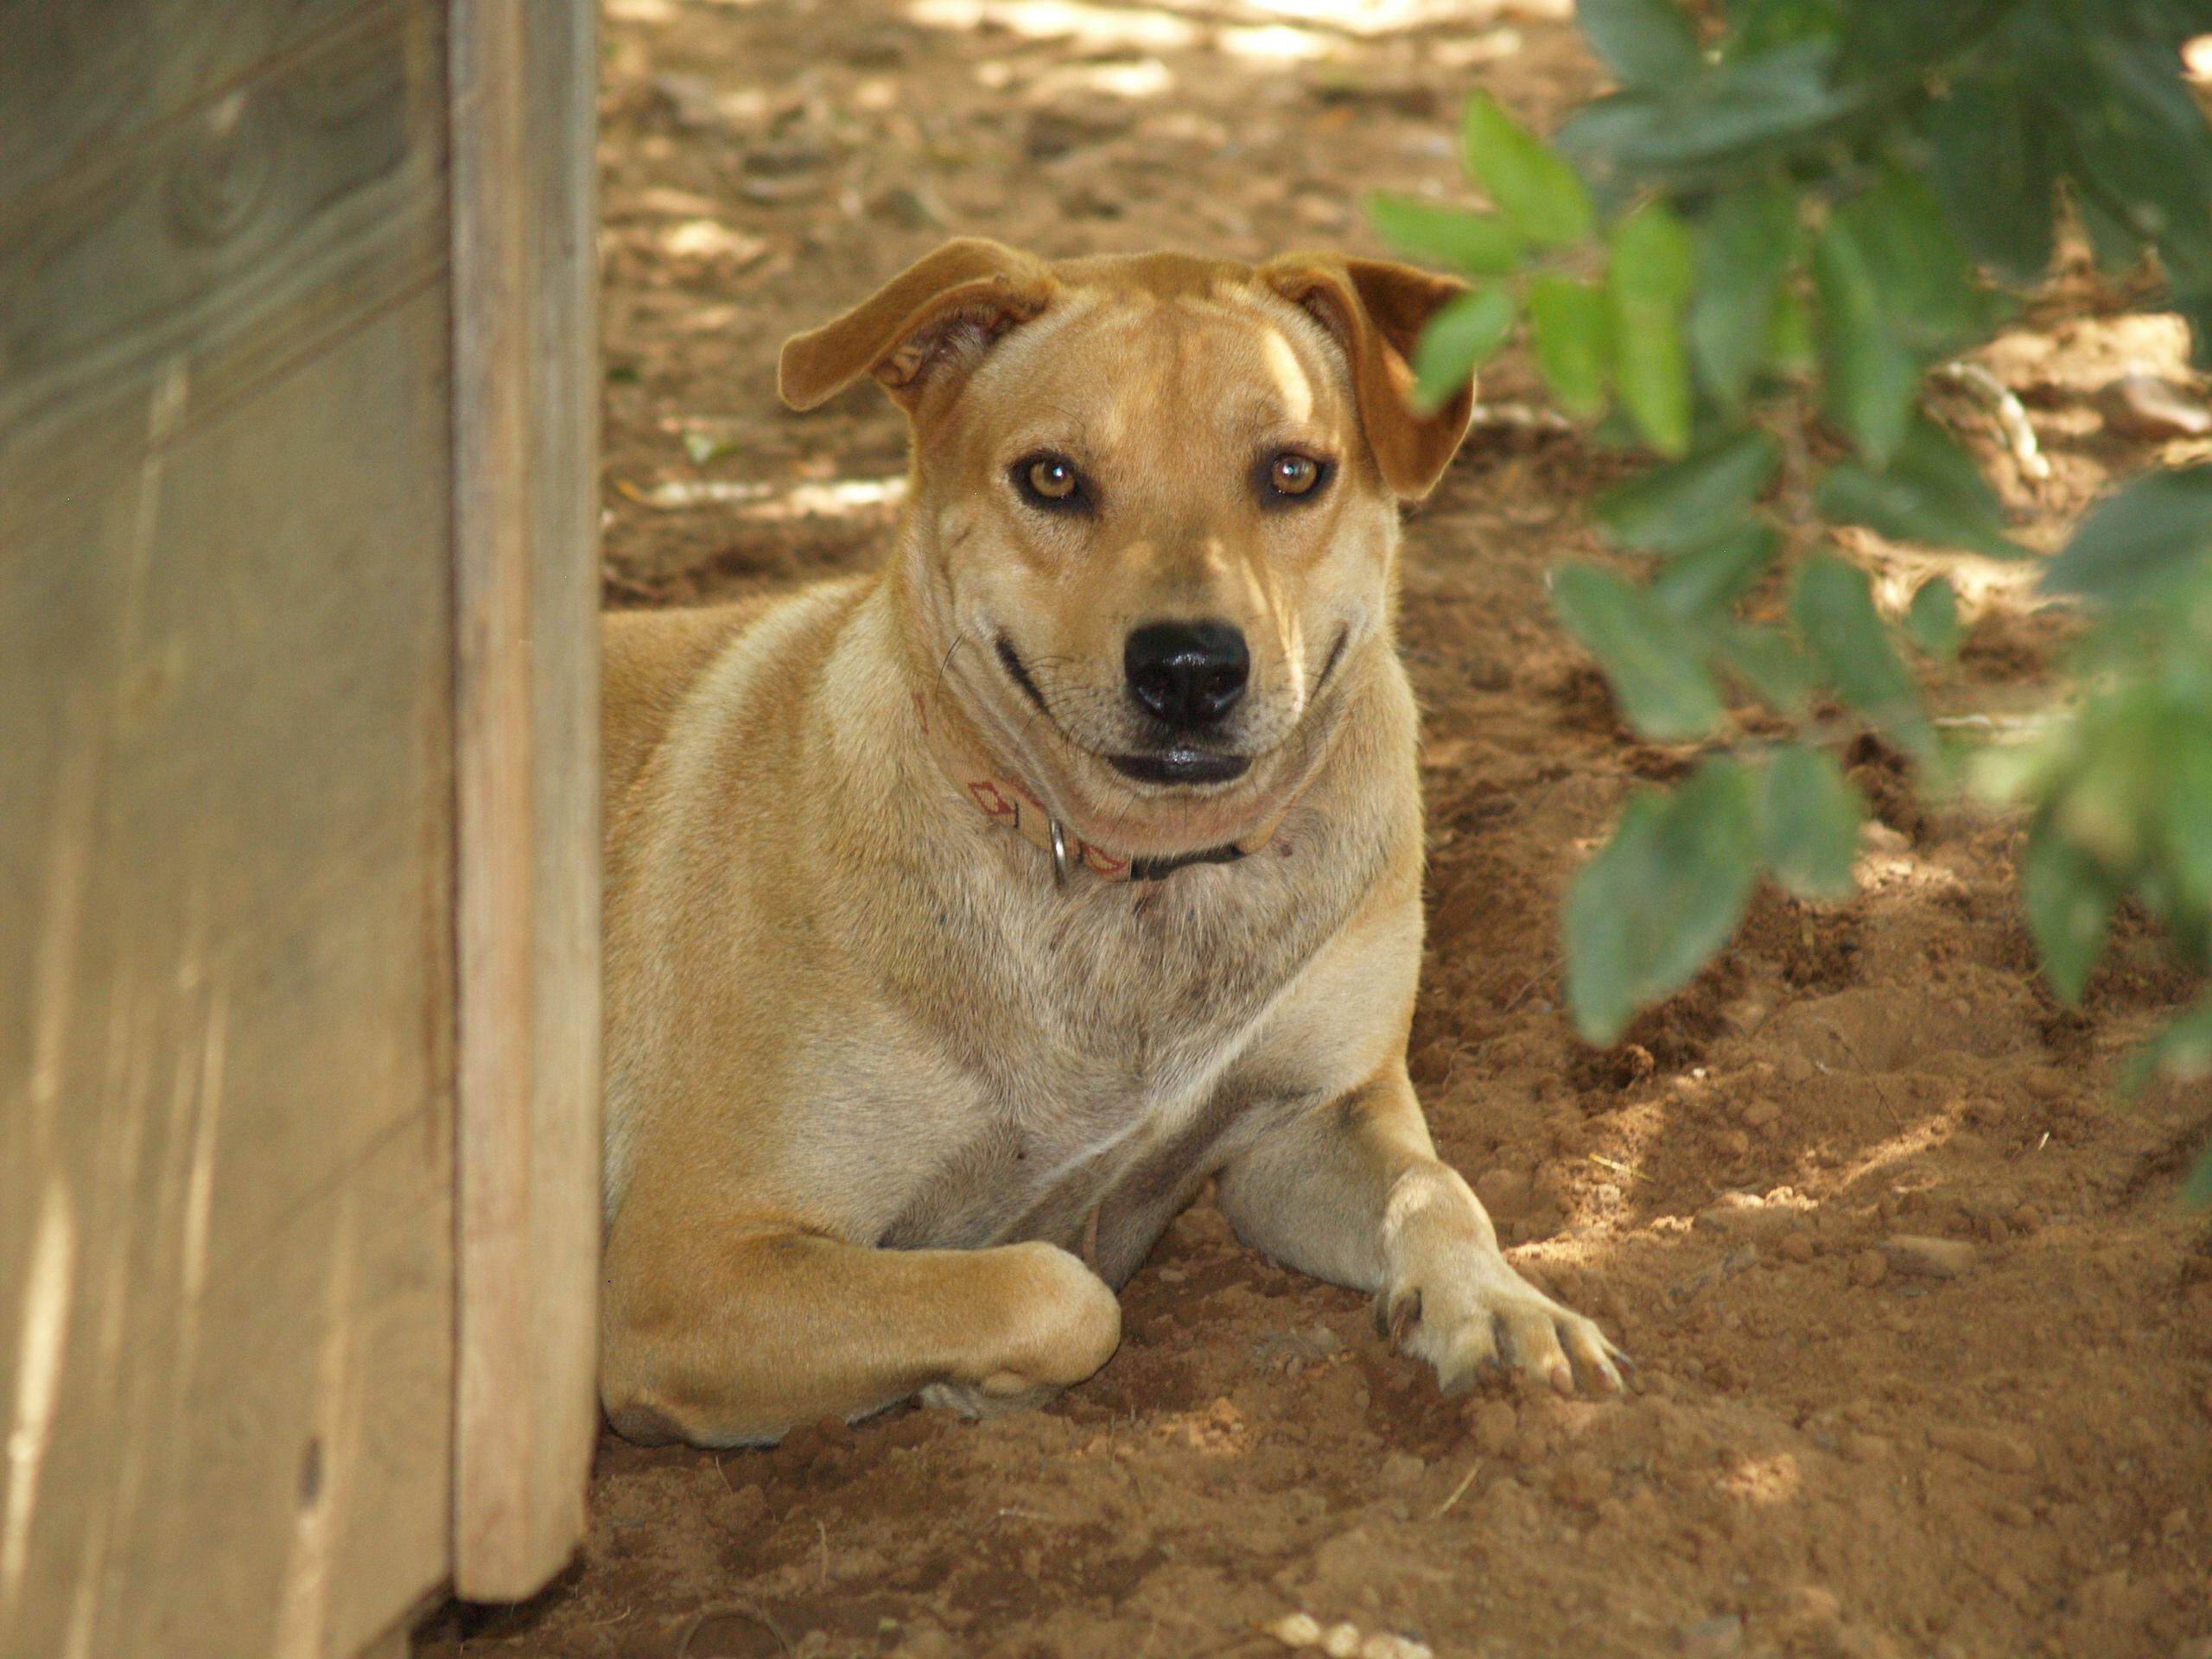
<point x="1747" y="260"/>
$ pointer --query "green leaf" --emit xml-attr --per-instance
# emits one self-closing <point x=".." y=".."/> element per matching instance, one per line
<point x="1745" y="244"/>
<point x="2107" y="802"/>
<point x="1654" y="264"/>
<point x="1479" y="243"/>
<point x="1573" y="339"/>
<point x="2182" y="1050"/>
<point x="1933" y="621"/>
<point x="2116" y="247"/>
<point x="2195" y="306"/>
<point x="1665" y="894"/>
<point x="2186" y="807"/>
<point x="1460" y="339"/>
<point x="1872" y="376"/>
<point x="2069" y="901"/>
<point x="705" y="447"/>
<point x="1648" y="282"/>
<point x="2153" y="530"/>
<point x="1992" y="158"/>
<point x="1663" y="688"/>
<point x="1790" y="346"/>
<point x="1703" y="582"/>
<point x="2141" y="145"/>
<point x="1759" y="25"/>
<point x="1748" y="112"/>
<point x="1537" y="192"/>
<point x="1643" y="42"/>
<point x="1920" y="265"/>
<point x="1810" y="815"/>
<point x="2197" y="1193"/>
<point x="1767" y="662"/>
<point x="1931" y="492"/>
<point x="1833" y="605"/>
<point x="1671" y="508"/>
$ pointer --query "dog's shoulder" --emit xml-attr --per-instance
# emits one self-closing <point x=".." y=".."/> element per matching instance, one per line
<point x="653" y="661"/>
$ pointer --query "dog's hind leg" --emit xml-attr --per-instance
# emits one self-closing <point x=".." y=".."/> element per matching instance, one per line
<point x="723" y="1336"/>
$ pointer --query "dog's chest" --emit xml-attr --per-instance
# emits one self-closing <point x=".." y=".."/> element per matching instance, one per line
<point x="1104" y="1039"/>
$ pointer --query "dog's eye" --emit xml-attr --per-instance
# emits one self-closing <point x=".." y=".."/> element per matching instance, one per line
<point x="1050" y="481"/>
<point x="1292" y="474"/>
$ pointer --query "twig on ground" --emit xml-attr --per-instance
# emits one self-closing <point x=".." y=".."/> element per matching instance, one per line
<point x="2011" y="729"/>
<point x="2006" y="407"/>
<point x="706" y="1615"/>
<point x="1518" y="417"/>
<point x="1873" y="1081"/>
<point x="1459" y="1491"/>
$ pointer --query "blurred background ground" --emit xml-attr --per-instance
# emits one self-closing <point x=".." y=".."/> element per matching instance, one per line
<point x="1997" y="1444"/>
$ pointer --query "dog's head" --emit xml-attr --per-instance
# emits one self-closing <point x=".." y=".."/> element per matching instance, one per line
<point x="1153" y="512"/>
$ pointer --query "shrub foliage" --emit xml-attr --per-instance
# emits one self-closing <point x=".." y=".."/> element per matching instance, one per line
<point x="1749" y="256"/>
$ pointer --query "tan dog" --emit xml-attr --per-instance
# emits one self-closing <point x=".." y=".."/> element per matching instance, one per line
<point x="965" y="919"/>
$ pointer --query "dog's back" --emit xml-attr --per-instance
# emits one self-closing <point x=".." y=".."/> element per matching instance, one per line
<point x="650" y="661"/>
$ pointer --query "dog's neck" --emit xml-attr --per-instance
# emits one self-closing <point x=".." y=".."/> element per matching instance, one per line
<point x="1003" y="799"/>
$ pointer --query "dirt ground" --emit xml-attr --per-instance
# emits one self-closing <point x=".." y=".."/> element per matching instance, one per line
<point x="1828" y="1451"/>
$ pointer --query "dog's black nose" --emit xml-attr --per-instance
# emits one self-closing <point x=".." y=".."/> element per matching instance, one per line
<point x="1186" y="674"/>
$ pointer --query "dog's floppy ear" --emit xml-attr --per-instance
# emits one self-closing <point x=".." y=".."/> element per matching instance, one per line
<point x="934" y="318"/>
<point x="1377" y="310"/>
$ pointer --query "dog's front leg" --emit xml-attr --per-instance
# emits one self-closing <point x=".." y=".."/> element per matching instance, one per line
<point x="1353" y="1192"/>
<point x="729" y="1335"/>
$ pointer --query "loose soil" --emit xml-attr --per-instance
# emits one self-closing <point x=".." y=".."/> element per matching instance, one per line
<point x="1831" y="1447"/>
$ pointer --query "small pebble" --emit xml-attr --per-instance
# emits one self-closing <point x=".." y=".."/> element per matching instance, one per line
<point x="1866" y="1448"/>
<point x="2150" y="410"/>
<point x="1991" y="1448"/>
<point x="1493" y="1425"/>
<point x="1721" y="1637"/>
<point x="1582" y="1482"/>
<point x="1401" y="1470"/>
<point x="1869" y="1269"/>
<point x="1929" y="1258"/>
<point x="1296" y="1631"/>
<point x="1341" y="1641"/>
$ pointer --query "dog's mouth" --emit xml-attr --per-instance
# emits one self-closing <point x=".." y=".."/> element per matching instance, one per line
<point x="1180" y="766"/>
<point x="1175" y="765"/>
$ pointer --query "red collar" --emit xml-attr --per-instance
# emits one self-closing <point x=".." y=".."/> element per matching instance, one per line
<point x="1005" y="799"/>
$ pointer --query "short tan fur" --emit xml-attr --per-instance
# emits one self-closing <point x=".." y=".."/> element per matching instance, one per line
<point x="893" y="1107"/>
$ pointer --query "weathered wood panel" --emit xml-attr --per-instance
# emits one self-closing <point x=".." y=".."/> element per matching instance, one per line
<point x="170" y="279"/>
<point x="67" y="90"/>
<point x="226" y="885"/>
<point x="297" y="577"/>
<point x="525" y="346"/>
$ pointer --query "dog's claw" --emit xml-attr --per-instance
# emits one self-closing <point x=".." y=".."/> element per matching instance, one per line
<point x="1395" y="1316"/>
<point x="1469" y="1317"/>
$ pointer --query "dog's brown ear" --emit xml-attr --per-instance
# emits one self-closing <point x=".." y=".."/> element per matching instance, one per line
<point x="1377" y="309"/>
<point x="933" y="319"/>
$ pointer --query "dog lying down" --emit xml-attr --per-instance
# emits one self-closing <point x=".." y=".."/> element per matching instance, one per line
<point x="963" y="920"/>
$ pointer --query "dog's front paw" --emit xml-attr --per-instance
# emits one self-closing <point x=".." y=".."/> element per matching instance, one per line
<point x="1057" y="1322"/>
<point x="1462" y="1307"/>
